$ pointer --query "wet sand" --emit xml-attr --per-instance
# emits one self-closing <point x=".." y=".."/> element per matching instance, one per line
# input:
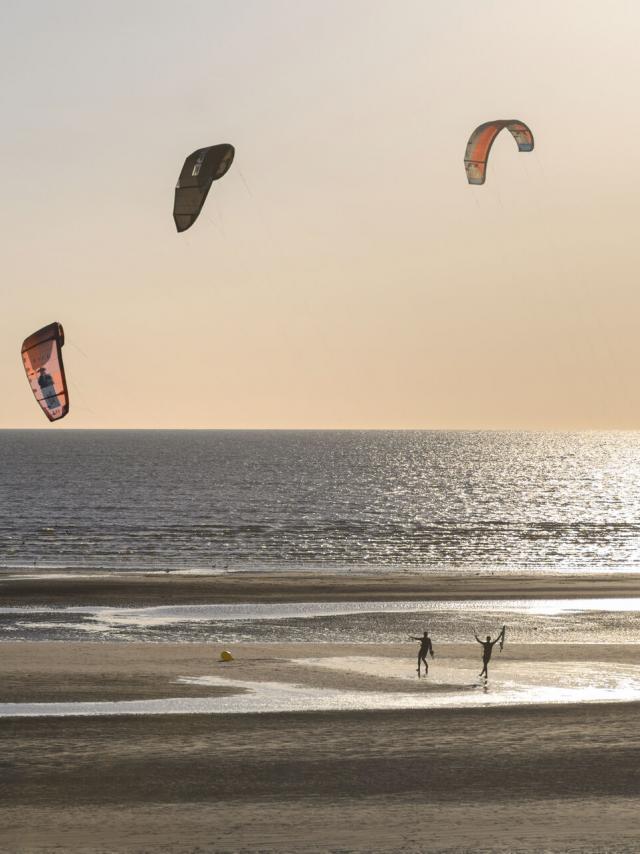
<point x="558" y="778"/>
<point x="41" y="672"/>
<point x="532" y="778"/>
<point x="552" y="778"/>
<point x="139" y="590"/>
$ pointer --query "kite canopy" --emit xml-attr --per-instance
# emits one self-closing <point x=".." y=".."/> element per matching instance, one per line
<point x="42" y="358"/>
<point x="200" y="170"/>
<point x="481" y="140"/>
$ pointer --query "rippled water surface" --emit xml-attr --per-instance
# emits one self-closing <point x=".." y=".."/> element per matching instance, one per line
<point x="287" y="499"/>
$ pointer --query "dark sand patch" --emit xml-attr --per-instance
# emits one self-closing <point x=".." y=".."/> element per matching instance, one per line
<point x="562" y="778"/>
<point x="135" y="589"/>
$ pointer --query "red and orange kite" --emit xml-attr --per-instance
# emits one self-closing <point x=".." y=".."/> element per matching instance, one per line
<point x="42" y="357"/>
<point x="481" y="140"/>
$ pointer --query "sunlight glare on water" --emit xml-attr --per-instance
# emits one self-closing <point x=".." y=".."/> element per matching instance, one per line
<point x="339" y="500"/>
<point x="612" y="620"/>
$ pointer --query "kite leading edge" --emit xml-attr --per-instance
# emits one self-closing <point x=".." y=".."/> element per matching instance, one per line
<point x="481" y="140"/>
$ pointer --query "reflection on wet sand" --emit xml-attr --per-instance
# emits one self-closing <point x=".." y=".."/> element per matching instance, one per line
<point x="585" y="620"/>
<point x="451" y="685"/>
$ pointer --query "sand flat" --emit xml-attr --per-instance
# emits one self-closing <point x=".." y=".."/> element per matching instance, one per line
<point x="309" y="825"/>
<point x="50" y="671"/>
<point x="555" y="778"/>
<point x="138" y="589"/>
<point x="523" y="779"/>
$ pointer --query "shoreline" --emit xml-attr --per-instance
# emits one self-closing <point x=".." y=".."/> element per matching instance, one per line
<point x="151" y="589"/>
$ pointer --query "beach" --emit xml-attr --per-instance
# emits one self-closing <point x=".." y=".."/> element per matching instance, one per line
<point x="541" y="779"/>
<point x="533" y="776"/>
<point x="164" y="588"/>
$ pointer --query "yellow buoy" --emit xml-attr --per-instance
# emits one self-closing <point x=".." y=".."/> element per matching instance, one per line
<point x="225" y="655"/>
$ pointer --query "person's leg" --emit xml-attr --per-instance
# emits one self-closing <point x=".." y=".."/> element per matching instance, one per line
<point x="426" y="666"/>
<point x="418" y="665"/>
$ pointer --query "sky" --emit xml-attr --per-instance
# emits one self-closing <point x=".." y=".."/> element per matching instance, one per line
<point x="343" y="274"/>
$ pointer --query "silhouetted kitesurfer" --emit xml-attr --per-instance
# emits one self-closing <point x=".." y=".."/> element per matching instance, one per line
<point x="488" y="646"/>
<point x="48" y="388"/>
<point x="426" y="648"/>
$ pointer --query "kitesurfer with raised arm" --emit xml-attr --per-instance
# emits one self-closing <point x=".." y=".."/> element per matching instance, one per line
<point x="426" y="648"/>
<point x="488" y="646"/>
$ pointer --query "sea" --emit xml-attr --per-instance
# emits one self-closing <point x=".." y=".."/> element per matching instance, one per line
<point x="339" y="501"/>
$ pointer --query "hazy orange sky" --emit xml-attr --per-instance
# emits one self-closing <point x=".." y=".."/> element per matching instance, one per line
<point x="343" y="274"/>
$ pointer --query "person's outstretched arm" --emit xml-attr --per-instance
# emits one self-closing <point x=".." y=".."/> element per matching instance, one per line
<point x="498" y="637"/>
<point x="413" y="637"/>
<point x="501" y="636"/>
<point x="477" y="638"/>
